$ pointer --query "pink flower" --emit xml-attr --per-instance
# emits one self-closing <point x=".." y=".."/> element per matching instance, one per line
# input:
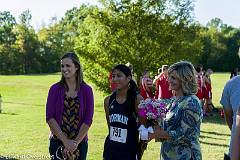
<point x="163" y="115"/>
<point x="142" y="112"/>
<point x="152" y="109"/>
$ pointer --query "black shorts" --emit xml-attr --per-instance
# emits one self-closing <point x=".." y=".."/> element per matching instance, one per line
<point x="118" y="156"/>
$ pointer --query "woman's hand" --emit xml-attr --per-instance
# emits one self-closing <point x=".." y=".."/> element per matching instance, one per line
<point x="66" y="154"/>
<point x="70" y="145"/>
<point x="151" y="136"/>
<point x="158" y="133"/>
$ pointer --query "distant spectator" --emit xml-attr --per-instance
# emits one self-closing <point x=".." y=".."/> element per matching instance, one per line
<point x="208" y="84"/>
<point x="162" y="85"/>
<point x="130" y="66"/>
<point x="157" y="76"/>
<point x="146" y="86"/>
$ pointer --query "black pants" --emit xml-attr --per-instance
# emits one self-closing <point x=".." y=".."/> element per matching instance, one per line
<point x="56" y="143"/>
<point x="226" y="157"/>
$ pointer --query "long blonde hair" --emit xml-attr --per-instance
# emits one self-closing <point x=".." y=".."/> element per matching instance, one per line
<point x="186" y="73"/>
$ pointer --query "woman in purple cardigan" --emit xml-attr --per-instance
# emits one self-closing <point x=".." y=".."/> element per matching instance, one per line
<point x="69" y="112"/>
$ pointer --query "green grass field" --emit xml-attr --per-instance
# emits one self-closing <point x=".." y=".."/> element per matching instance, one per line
<point x="24" y="132"/>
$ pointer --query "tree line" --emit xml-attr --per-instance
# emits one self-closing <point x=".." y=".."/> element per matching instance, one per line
<point x="146" y="33"/>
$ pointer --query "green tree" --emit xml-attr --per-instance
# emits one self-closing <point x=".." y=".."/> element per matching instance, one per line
<point x="221" y="44"/>
<point x="144" y="33"/>
<point x="27" y="45"/>
<point x="52" y="47"/>
<point x="7" y="39"/>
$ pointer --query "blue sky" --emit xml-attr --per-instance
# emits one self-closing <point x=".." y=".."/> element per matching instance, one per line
<point x="43" y="10"/>
<point x="227" y="10"/>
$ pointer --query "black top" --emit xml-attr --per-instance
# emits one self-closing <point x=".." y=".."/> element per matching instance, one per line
<point x="123" y="131"/>
<point x="70" y="119"/>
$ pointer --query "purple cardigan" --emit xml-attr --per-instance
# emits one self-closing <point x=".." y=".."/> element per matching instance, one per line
<point x="55" y="104"/>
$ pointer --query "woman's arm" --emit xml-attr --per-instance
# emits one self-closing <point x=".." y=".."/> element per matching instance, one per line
<point x="88" y="115"/>
<point x="137" y="102"/>
<point x="106" y="108"/>
<point x="236" y="137"/>
<point x="56" y="130"/>
<point x="207" y="80"/>
<point x="50" y="112"/>
<point x="51" y="102"/>
<point x="228" y="116"/>
<point x="82" y="133"/>
<point x="159" y="133"/>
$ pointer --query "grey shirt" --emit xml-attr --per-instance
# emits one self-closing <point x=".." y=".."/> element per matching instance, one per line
<point x="231" y="98"/>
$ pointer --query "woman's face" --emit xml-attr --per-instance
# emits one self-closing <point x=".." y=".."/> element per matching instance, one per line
<point x="174" y="83"/>
<point x="120" y="79"/>
<point x="165" y="69"/>
<point x="146" y="75"/>
<point x="68" y="68"/>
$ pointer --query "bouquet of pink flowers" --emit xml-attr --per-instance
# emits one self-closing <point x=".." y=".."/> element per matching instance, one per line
<point x="153" y="109"/>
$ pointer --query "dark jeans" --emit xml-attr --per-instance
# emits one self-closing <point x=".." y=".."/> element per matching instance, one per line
<point x="56" y="143"/>
<point x="226" y="157"/>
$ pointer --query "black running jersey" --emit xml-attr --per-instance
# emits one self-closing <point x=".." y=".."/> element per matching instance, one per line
<point x="123" y="131"/>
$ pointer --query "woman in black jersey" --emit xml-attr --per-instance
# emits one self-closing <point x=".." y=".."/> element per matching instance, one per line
<point x="121" y="115"/>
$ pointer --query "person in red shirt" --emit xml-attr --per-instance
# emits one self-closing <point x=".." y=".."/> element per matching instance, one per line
<point x="162" y="85"/>
<point x="203" y="91"/>
<point x="157" y="76"/>
<point x="146" y="86"/>
<point x="208" y="95"/>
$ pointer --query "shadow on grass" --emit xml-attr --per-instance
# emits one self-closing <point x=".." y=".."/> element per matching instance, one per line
<point x="215" y="118"/>
<point x="214" y="144"/>
<point x="7" y="158"/>
<point x="203" y="136"/>
<point x="24" y="103"/>
<point x="39" y="74"/>
<point x="8" y="114"/>
<point x="215" y="133"/>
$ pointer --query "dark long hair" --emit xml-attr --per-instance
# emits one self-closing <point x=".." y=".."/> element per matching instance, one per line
<point x="79" y="72"/>
<point x="133" y="89"/>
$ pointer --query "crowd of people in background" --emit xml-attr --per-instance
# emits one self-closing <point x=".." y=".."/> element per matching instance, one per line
<point x="158" y="87"/>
